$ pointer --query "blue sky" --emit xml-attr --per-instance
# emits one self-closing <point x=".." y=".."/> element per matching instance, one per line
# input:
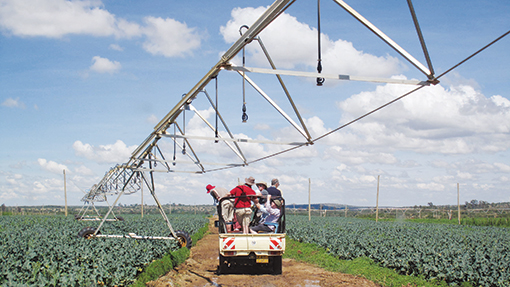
<point x="83" y="83"/>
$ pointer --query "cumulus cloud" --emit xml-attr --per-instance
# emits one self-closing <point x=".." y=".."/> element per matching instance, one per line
<point x="51" y="166"/>
<point x="342" y="56"/>
<point x="115" y="153"/>
<point x="152" y="119"/>
<point x="58" y="18"/>
<point x="103" y="65"/>
<point x="13" y="103"/>
<point x="454" y="120"/>
<point x="83" y="170"/>
<point x="169" y="37"/>
<point x="116" y="47"/>
<point x="502" y="167"/>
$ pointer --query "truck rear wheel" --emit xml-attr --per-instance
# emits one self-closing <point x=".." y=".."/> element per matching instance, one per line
<point x="277" y="265"/>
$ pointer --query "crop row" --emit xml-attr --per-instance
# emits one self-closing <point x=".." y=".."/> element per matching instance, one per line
<point x="45" y="250"/>
<point x="450" y="253"/>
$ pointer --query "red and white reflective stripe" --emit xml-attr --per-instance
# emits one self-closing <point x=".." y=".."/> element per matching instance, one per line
<point x="275" y="244"/>
<point x="228" y="243"/>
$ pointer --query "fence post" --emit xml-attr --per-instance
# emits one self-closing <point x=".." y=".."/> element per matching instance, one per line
<point x="65" y="191"/>
<point x="458" y="200"/>
<point x="377" y="201"/>
<point x="141" y="191"/>
<point x="309" y="204"/>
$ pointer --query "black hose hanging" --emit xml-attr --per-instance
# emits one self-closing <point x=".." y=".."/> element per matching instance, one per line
<point x="175" y="144"/>
<point x="244" y="116"/>
<point x="320" y="80"/>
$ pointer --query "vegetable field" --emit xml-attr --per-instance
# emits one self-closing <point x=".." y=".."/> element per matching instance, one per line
<point x="45" y="250"/>
<point x="450" y="253"/>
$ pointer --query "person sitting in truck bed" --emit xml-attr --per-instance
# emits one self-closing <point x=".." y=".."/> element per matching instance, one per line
<point x="273" y="214"/>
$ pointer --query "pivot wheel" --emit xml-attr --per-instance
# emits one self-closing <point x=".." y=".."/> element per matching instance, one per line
<point x="87" y="232"/>
<point x="183" y="239"/>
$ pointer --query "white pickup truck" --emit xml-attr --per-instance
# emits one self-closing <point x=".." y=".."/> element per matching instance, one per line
<point x="240" y="252"/>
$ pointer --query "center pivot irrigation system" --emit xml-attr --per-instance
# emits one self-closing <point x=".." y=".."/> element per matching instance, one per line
<point x="153" y="156"/>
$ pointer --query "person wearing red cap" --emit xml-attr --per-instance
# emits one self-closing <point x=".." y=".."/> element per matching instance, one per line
<point x="227" y="205"/>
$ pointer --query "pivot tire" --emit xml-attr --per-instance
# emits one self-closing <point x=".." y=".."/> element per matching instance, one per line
<point x="87" y="232"/>
<point x="183" y="239"/>
<point x="120" y="218"/>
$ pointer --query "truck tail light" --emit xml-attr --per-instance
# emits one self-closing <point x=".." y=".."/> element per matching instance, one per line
<point x="230" y="253"/>
<point x="275" y="252"/>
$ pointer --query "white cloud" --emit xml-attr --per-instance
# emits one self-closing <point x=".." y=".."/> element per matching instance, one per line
<point x="434" y="119"/>
<point x="261" y="127"/>
<point x="83" y="170"/>
<point x="303" y="40"/>
<point x="58" y="18"/>
<point x="116" y="47"/>
<point x="502" y="167"/>
<point x="169" y="37"/>
<point x="152" y="119"/>
<point x="13" y="103"/>
<point x="431" y="186"/>
<point x="52" y="166"/>
<point x="103" y="65"/>
<point x="116" y="153"/>
<point x="464" y="175"/>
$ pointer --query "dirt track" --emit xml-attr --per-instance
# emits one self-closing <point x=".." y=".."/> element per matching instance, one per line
<point x="201" y="270"/>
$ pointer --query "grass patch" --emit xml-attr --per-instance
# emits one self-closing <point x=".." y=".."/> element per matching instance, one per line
<point x="363" y="267"/>
<point x="172" y="259"/>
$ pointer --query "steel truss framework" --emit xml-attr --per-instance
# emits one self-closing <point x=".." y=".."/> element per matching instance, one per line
<point x="149" y="158"/>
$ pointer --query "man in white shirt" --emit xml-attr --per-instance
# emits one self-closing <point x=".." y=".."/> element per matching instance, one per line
<point x="273" y="214"/>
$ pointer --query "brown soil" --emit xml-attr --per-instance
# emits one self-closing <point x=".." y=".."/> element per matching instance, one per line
<point x="200" y="269"/>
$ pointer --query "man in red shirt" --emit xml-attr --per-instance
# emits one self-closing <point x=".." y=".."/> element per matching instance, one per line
<point x="244" y="195"/>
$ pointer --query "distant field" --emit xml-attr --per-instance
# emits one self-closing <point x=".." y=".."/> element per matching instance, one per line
<point x="45" y="250"/>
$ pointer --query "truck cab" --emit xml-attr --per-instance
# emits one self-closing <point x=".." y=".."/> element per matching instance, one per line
<point x="240" y="252"/>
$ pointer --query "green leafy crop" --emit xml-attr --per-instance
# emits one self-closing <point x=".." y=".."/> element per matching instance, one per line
<point x="45" y="250"/>
<point x="449" y="253"/>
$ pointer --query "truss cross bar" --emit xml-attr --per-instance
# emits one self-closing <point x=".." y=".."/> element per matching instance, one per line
<point x="265" y="19"/>
<point x="219" y="135"/>
<point x="385" y="38"/>
<point x="422" y="40"/>
<point x="143" y="169"/>
<point x="160" y="207"/>
<point x="291" y="101"/>
<point x="270" y="101"/>
<point x="223" y="122"/>
<point x="191" y="149"/>
<point x="108" y="213"/>
<point x="326" y="76"/>
<point x="233" y="139"/>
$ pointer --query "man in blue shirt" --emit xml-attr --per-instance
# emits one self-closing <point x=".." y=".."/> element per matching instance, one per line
<point x="273" y="189"/>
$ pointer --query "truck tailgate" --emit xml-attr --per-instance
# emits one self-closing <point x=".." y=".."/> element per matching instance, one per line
<point x="241" y="243"/>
